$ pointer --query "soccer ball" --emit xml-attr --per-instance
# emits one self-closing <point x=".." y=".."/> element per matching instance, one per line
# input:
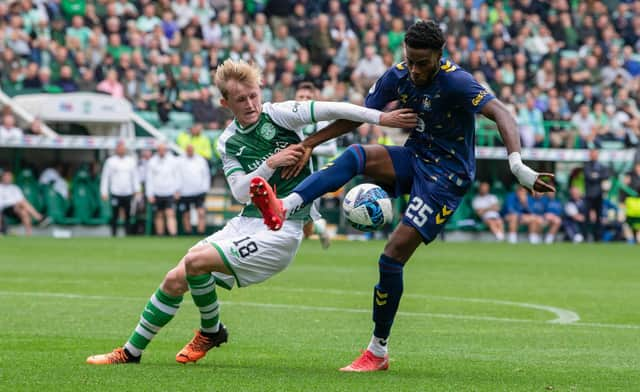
<point x="367" y="207"/>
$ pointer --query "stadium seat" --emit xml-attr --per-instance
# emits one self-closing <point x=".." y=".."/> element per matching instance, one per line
<point x="151" y="117"/>
<point x="82" y="197"/>
<point x="31" y="189"/>
<point x="103" y="214"/>
<point x="181" y="120"/>
<point x="170" y="132"/>
<point x="57" y="207"/>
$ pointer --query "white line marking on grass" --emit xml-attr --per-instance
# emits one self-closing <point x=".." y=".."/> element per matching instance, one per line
<point x="563" y="316"/>
<point x="325" y="309"/>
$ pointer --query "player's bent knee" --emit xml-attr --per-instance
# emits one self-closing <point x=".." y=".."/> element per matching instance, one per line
<point x="202" y="260"/>
<point x="192" y="262"/>
<point x="397" y="250"/>
<point x="175" y="283"/>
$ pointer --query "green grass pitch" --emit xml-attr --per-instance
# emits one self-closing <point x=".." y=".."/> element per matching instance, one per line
<point x="475" y="317"/>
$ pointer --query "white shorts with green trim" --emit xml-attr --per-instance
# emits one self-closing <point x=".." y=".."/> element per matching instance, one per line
<point x="252" y="252"/>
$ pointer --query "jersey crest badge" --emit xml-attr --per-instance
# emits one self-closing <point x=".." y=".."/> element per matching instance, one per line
<point x="267" y="131"/>
<point x="426" y="103"/>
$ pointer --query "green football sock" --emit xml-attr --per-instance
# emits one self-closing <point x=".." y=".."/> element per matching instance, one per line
<point x="159" y="311"/>
<point x="203" y="292"/>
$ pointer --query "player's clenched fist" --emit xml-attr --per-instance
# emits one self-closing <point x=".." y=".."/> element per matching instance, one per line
<point x="399" y="118"/>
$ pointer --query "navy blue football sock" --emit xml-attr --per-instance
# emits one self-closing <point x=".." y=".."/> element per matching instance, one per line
<point x="386" y="295"/>
<point x="334" y="175"/>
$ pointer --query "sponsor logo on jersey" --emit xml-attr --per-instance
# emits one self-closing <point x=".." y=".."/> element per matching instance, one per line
<point x="267" y="131"/>
<point x="280" y="145"/>
<point x="476" y="101"/>
<point x="240" y="151"/>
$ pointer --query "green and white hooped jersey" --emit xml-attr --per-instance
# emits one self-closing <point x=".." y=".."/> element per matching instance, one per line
<point x="245" y="149"/>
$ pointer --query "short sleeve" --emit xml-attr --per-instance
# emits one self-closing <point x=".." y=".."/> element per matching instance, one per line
<point x="383" y="91"/>
<point x="230" y="164"/>
<point x="468" y="91"/>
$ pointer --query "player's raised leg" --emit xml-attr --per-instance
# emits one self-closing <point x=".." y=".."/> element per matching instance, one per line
<point x="372" y="160"/>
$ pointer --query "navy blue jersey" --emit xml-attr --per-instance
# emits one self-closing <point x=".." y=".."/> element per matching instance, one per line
<point x="445" y="136"/>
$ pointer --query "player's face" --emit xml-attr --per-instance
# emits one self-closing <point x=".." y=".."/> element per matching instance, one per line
<point x="244" y="101"/>
<point x="422" y="64"/>
<point x="304" y="94"/>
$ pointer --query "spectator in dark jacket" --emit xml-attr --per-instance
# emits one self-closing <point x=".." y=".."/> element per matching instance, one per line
<point x="203" y="110"/>
<point x="594" y="175"/>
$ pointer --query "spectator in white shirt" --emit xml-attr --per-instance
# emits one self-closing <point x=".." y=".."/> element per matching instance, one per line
<point x="120" y="181"/>
<point x="162" y="189"/>
<point x="53" y="176"/>
<point x="487" y="207"/>
<point x="585" y="122"/>
<point x="368" y="70"/>
<point x="13" y="204"/>
<point x="8" y="129"/>
<point x="194" y="185"/>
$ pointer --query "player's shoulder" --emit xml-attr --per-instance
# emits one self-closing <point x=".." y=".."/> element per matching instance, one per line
<point x="452" y="72"/>
<point x="391" y="78"/>
<point x="397" y="71"/>
<point x="275" y="108"/>
<point x="285" y="108"/>
<point x="227" y="133"/>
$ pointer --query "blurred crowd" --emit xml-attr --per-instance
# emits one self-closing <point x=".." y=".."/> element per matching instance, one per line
<point x="583" y="212"/>
<point x="567" y="69"/>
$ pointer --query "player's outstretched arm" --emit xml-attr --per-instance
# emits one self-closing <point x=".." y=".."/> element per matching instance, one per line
<point x="508" y="129"/>
<point x="399" y="118"/>
<point x="333" y="130"/>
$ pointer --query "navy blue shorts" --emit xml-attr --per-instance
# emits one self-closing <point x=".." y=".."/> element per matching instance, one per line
<point x="432" y="201"/>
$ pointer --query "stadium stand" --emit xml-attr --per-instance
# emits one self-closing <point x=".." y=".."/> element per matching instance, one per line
<point x="568" y="70"/>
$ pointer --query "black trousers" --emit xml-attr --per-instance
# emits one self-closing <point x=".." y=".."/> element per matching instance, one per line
<point x="593" y="204"/>
<point x="118" y="202"/>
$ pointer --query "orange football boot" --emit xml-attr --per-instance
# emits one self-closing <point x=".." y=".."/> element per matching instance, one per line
<point x="265" y="199"/>
<point x="197" y="348"/>
<point x="117" y="356"/>
<point x="367" y="362"/>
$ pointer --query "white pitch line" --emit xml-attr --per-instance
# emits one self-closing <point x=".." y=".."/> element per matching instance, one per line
<point x="322" y="308"/>
<point x="563" y="316"/>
